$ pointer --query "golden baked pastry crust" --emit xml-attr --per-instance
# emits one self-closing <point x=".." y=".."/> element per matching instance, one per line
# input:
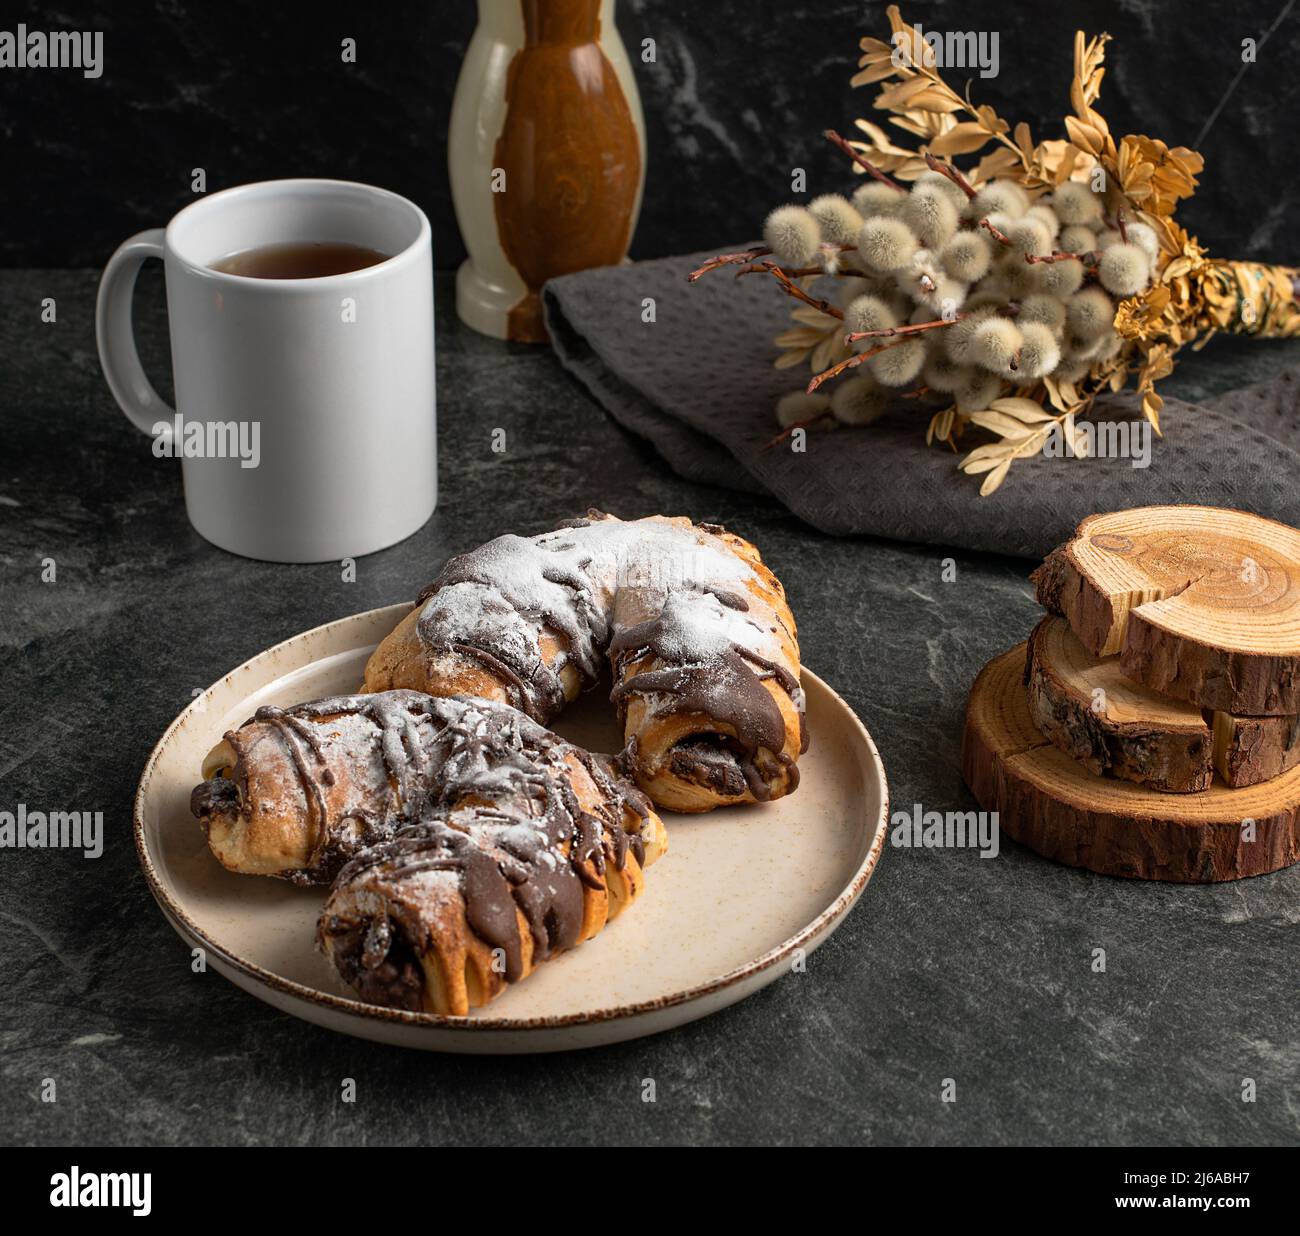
<point x="438" y="905"/>
<point x="473" y="844"/>
<point x="690" y="611"/>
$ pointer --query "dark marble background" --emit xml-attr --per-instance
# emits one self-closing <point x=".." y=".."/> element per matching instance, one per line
<point x="736" y="99"/>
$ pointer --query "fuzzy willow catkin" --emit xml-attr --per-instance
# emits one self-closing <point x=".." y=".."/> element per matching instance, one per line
<point x="886" y="244"/>
<point x="798" y="407"/>
<point x="792" y="234"/>
<point x="858" y="401"/>
<point x="836" y="217"/>
<point x="968" y="295"/>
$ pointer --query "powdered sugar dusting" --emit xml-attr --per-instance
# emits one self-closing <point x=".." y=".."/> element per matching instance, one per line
<point x="499" y="600"/>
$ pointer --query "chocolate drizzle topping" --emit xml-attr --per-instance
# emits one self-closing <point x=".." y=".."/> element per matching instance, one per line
<point x="475" y="789"/>
<point x="726" y="689"/>
<point x="708" y="652"/>
<point x="434" y="753"/>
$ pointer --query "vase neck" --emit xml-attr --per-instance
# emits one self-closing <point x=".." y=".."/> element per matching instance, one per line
<point x="566" y="22"/>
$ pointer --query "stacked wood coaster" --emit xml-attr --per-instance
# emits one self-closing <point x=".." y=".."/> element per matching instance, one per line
<point x="1150" y="726"/>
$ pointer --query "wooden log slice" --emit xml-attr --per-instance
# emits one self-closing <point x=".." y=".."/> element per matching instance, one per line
<point x="1200" y="603"/>
<point x="1248" y="750"/>
<point x="1112" y="725"/>
<point x="1116" y="727"/>
<point x="1051" y="803"/>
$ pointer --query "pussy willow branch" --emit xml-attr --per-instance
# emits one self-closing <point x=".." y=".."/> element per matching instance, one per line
<point x="1057" y="255"/>
<point x="1089" y="259"/>
<point x="802" y="272"/>
<point x="996" y="232"/>
<point x="903" y="330"/>
<point x="728" y="259"/>
<point x="861" y="160"/>
<point x="947" y="169"/>
<point x="748" y="256"/>
<point x="793" y="289"/>
<point x="851" y="362"/>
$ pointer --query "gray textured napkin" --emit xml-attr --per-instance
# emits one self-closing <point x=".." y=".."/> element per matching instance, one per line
<point x="698" y="382"/>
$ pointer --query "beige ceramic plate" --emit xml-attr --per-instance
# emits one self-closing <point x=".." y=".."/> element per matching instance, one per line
<point x="739" y="896"/>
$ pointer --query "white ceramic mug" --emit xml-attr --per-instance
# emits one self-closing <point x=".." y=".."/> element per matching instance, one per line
<point x="313" y="398"/>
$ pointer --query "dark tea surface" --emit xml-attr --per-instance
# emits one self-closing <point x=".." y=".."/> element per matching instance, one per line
<point x="299" y="260"/>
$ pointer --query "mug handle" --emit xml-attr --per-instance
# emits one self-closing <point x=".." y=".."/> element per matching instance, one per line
<point x="118" y="357"/>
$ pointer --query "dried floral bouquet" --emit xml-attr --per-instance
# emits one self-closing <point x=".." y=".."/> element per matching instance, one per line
<point x="1015" y="292"/>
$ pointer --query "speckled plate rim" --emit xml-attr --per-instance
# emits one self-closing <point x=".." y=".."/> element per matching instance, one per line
<point x="736" y="983"/>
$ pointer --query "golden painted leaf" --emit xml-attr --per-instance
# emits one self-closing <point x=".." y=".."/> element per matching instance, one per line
<point x="1025" y="410"/>
<point x="925" y="125"/>
<point x="891" y="163"/>
<point x="1157" y="299"/>
<point x="983" y="465"/>
<point x="1158" y="361"/>
<point x="997" y="163"/>
<point x="788" y="360"/>
<point x="963" y="138"/>
<point x="1001" y="425"/>
<point x="883" y="56"/>
<point x="911" y="42"/>
<point x="874" y="47"/>
<point x="1084" y="136"/>
<point x="1173" y="172"/>
<point x="1032" y="445"/>
<point x="1055" y="395"/>
<point x="1093" y="90"/>
<point x="1151" y="405"/>
<point x="1025" y="141"/>
<point x="1059" y="160"/>
<point x="878" y="136"/>
<point x="1172" y="238"/>
<point x="1077" y="101"/>
<point x="798" y="336"/>
<point x="873" y="73"/>
<point x="995" y="451"/>
<point x="1095" y="120"/>
<point x="879" y="144"/>
<point x="813" y="317"/>
<point x="931" y="428"/>
<point x="1140" y="191"/>
<point x="1076" y="436"/>
<point x="1088" y="58"/>
<point x="994" y="479"/>
<point x="900" y="95"/>
<point x="937" y="99"/>
<point x="824" y="355"/>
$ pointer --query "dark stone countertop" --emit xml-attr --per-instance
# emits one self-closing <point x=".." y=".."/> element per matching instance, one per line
<point x="950" y="966"/>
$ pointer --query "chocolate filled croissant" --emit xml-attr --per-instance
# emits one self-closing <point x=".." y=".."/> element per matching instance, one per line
<point x="702" y="646"/>
<point x="451" y="911"/>
<point x="297" y="792"/>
